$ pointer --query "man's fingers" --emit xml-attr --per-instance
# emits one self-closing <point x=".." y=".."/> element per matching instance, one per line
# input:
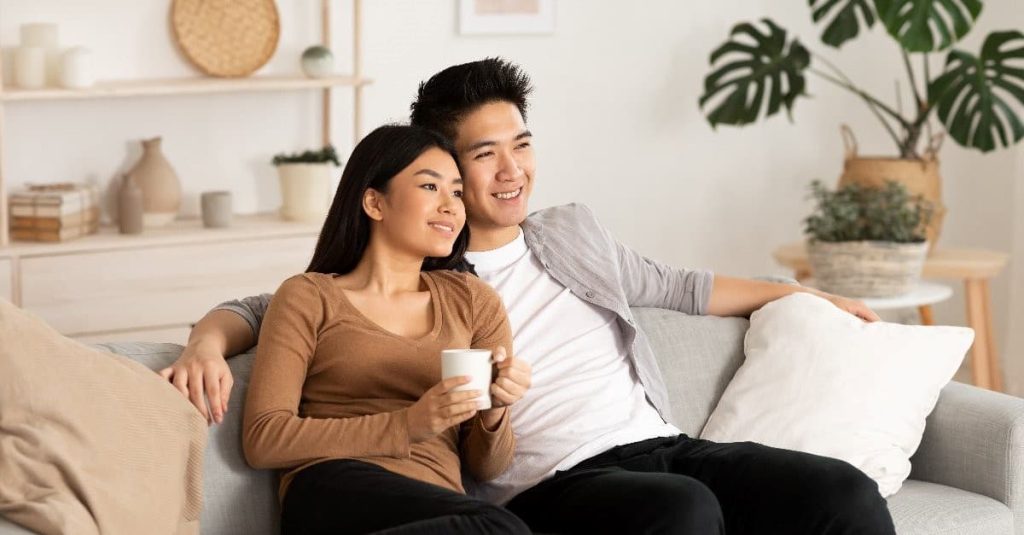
<point x="181" y="382"/>
<point x="213" y="394"/>
<point x="226" y="383"/>
<point x="195" y="388"/>
<point x="166" y="373"/>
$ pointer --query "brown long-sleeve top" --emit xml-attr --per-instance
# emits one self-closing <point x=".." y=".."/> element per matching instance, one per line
<point x="328" y="383"/>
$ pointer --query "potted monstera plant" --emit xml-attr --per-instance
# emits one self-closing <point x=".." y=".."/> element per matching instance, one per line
<point x="867" y="241"/>
<point x="761" y="70"/>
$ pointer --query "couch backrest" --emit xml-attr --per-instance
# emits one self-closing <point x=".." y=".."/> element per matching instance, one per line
<point x="236" y="498"/>
<point x="698" y="355"/>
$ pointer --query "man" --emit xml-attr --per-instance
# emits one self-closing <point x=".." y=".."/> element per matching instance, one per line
<point x="594" y="450"/>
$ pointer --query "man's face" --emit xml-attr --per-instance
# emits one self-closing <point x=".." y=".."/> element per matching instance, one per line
<point x="496" y="159"/>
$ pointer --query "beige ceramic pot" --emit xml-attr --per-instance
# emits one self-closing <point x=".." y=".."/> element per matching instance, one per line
<point x="161" y="190"/>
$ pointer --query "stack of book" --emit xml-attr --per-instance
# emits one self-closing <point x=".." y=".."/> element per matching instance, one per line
<point x="54" y="212"/>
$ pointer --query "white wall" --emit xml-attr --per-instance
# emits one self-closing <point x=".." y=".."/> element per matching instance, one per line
<point x="615" y="115"/>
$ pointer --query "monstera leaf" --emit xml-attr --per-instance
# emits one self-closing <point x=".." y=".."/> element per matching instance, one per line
<point x="970" y="94"/>
<point x="927" y="25"/>
<point x="754" y="64"/>
<point x="842" y="16"/>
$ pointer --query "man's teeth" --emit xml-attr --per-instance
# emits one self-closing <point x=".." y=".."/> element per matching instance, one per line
<point x="509" y="195"/>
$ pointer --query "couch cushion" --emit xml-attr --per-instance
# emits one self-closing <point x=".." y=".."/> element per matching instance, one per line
<point x="91" y="442"/>
<point x="921" y="508"/>
<point x="236" y="498"/>
<point x="697" y="355"/>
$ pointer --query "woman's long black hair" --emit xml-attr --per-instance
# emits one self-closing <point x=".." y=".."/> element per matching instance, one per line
<point x="380" y="156"/>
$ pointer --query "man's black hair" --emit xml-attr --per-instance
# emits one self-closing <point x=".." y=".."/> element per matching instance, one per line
<point x="444" y="99"/>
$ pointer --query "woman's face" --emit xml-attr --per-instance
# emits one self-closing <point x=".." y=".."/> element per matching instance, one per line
<point x="422" y="212"/>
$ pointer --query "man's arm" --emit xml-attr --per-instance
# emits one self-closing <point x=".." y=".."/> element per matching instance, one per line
<point x="227" y="330"/>
<point x="740" y="297"/>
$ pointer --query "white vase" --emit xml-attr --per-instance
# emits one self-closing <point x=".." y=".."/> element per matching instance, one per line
<point x="306" y="191"/>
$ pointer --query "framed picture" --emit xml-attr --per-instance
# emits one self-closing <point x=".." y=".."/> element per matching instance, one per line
<point x="480" y="17"/>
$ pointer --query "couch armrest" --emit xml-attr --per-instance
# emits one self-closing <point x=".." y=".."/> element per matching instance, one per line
<point x="974" y="440"/>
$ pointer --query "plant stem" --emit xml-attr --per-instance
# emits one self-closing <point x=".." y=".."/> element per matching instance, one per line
<point x="848" y="84"/>
<point x="913" y="81"/>
<point x="872" y="103"/>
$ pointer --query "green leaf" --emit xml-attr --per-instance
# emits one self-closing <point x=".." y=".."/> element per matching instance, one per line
<point x="749" y="66"/>
<point x="973" y="96"/>
<point x="842" y="19"/>
<point x="927" y="25"/>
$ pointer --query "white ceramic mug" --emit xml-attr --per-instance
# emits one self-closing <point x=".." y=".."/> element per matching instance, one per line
<point x="476" y="363"/>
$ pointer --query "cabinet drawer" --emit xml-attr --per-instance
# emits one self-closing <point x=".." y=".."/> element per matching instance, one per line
<point x="155" y="288"/>
<point x="5" y="280"/>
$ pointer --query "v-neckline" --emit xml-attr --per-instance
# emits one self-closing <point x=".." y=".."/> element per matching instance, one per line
<point x="434" y="303"/>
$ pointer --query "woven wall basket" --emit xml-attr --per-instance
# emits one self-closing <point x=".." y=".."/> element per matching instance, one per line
<point x="228" y="38"/>
<point x="867" y="268"/>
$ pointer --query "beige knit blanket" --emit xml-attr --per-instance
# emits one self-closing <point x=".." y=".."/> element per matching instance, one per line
<point x="91" y="442"/>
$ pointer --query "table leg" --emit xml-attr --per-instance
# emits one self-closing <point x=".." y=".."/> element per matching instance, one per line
<point x="925" y="311"/>
<point x="994" y="369"/>
<point x="980" y="351"/>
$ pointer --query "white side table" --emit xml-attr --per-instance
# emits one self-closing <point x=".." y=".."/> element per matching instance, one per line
<point x="921" y="297"/>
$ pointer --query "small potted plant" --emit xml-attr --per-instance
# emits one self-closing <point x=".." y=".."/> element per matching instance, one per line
<point x="867" y="242"/>
<point x="306" y="180"/>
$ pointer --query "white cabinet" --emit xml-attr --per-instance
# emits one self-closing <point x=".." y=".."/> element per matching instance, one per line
<point x="154" y="287"/>
<point x="6" y="283"/>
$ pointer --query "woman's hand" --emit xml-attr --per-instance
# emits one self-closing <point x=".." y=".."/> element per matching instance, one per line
<point x="440" y="408"/>
<point x="513" y="379"/>
<point x="198" y="369"/>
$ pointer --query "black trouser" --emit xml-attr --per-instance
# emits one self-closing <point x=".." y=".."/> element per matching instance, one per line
<point x="687" y="485"/>
<point x="347" y="496"/>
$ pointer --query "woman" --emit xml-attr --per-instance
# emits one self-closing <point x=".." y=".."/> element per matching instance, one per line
<point x="344" y="392"/>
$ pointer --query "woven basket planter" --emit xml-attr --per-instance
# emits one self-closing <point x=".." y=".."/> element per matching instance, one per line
<point x="867" y="268"/>
<point x="920" y="177"/>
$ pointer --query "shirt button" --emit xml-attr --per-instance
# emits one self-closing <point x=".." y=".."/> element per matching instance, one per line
<point x="590" y="294"/>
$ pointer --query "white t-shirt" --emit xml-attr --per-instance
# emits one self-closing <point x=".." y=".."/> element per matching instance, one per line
<point x="585" y="397"/>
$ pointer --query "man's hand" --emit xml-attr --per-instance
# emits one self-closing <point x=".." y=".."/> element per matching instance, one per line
<point x="202" y="369"/>
<point x="512" y="381"/>
<point x="853" y="306"/>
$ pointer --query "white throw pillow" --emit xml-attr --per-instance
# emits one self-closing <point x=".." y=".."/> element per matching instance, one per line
<point x="819" y="380"/>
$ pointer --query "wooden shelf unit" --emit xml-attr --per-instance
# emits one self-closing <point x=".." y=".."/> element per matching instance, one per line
<point x="182" y="86"/>
<point x="196" y="86"/>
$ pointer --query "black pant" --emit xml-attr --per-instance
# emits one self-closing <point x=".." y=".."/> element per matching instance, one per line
<point x="347" y="496"/>
<point x="692" y="486"/>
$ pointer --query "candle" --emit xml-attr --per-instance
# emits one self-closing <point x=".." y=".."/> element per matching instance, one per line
<point x="75" y="68"/>
<point x="44" y="35"/>
<point x="30" y="67"/>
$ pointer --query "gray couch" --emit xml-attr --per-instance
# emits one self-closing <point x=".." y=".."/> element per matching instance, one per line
<point x="967" y="478"/>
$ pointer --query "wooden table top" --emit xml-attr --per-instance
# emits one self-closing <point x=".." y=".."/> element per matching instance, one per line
<point x="942" y="263"/>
